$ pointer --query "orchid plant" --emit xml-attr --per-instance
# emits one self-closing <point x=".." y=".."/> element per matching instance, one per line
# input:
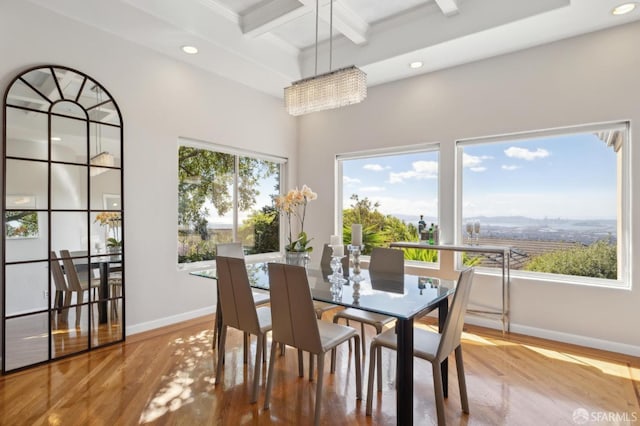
<point x="294" y="204"/>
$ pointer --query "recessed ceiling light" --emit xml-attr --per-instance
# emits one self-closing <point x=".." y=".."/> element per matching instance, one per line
<point x="191" y="50"/>
<point x="623" y="8"/>
<point x="416" y="64"/>
<point x="56" y="139"/>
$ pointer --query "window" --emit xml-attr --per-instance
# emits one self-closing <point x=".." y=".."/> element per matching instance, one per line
<point x="226" y="196"/>
<point x="387" y="192"/>
<point x="557" y="197"/>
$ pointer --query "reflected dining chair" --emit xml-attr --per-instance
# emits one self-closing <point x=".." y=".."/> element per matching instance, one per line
<point x="295" y="324"/>
<point x="61" y="300"/>
<point x="382" y="261"/>
<point x="239" y="311"/>
<point x="433" y="347"/>
<point x="259" y="298"/>
<point x="75" y="284"/>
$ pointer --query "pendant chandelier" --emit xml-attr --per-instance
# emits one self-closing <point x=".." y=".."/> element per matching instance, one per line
<point x="330" y="90"/>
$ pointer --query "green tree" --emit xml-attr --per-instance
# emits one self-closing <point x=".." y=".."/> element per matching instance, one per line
<point x="262" y="227"/>
<point x="598" y="260"/>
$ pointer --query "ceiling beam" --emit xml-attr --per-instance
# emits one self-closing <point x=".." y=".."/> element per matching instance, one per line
<point x="448" y="7"/>
<point x="345" y="21"/>
<point x="270" y="15"/>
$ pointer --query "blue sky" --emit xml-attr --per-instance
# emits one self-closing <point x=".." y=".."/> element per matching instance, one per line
<point x="557" y="177"/>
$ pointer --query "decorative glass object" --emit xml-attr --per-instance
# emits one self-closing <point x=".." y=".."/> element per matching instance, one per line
<point x="336" y="279"/>
<point x="298" y="258"/>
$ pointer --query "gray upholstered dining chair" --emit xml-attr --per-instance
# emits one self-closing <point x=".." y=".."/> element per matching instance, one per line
<point x="382" y="261"/>
<point x="239" y="311"/>
<point x="76" y="283"/>
<point x="295" y="324"/>
<point x="433" y="347"/>
<point x="259" y="298"/>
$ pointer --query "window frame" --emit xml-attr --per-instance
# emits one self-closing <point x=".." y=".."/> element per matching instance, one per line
<point x="377" y="153"/>
<point x="624" y="222"/>
<point x="237" y="153"/>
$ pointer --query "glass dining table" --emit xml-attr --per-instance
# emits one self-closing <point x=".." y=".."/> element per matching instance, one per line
<point x="405" y="297"/>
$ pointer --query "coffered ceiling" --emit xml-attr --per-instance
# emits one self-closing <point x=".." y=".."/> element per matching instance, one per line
<point x="267" y="44"/>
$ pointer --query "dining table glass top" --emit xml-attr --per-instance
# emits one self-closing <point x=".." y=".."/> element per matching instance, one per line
<point x="401" y="296"/>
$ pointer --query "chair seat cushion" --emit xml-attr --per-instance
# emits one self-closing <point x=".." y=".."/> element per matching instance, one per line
<point x="332" y="334"/>
<point x="260" y="298"/>
<point x="372" y="318"/>
<point x="425" y="343"/>
<point x="264" y="318"/>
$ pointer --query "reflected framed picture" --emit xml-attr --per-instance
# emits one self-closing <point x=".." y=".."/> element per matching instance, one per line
<point x="19" y="223"/>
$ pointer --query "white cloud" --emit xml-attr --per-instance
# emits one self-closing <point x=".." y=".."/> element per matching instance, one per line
<point x="419" y="170"/>
<point x="525" y="154"/>
<point x="509" y="167"/>
<point x="473" y="161"/>
<point x="374" y="167"/>
<point x="372" y="189"/>
<point x="346" y="180"/>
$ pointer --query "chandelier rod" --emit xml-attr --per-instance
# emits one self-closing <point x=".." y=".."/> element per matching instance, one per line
<point x="316" y="69"/>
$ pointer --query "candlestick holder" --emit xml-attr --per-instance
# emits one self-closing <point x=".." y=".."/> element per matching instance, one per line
<point x="336" y="279"/>
<point x="356" y="292"/>
<point x="355" y="252"/>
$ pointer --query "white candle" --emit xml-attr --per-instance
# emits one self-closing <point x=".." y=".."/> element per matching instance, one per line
<point x="356" y="234"/>
<point x="335" y="240"/>
<point x="338" y="250"/>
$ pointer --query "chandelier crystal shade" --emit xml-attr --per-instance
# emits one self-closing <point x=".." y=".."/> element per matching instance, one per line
<point x="334" y="89"/>
<point x="102" y="159"/>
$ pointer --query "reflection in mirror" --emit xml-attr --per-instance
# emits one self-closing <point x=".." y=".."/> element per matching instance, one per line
<point x="104" y="146"/>
<point x="26" y="178"/>
<point x="25" y="235"/>
<point x="26" y="134"/>
<point x="104" y="184"/>
<point x="43" y="80"/>
<point x="70" y="82"/>
<point x="68" y="186"/>
<point x="111" y="330"/>
<point x="21" y="95"/>
<point x="63" y="263"/>
<point x="68" y="140"/>
<point x="26" y="340"/>
<point x="69" y="231"/>
<point x="27" y="286"/>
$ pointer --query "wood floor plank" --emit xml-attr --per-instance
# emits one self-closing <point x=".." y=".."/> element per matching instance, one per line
<point x="166" y="377"/>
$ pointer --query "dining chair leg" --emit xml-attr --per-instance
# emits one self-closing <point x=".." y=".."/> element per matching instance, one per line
<point x="372" y="366"/>
<point x="264" y="349"/>
<point x="439" y="393"/>
<point x="223" y="338"/>
<point x="379" y="356"/>
<point x="256" y="368"/>
<point x="319" y="389"/>
<point x="333" y="360"/>
<point x="363" y="339"/>
<point x="356" y="339"/>
<point x="267" y="395"/>
<point x="216" y="321"/>
<point x="311" y="359"/>
<point x="246" y="348"/>
<point x="300" y="364"/>
<point x="349" y="339"/>
<point x="462" y="383"/>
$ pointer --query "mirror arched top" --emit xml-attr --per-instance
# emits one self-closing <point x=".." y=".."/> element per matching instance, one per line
<point x="63" y="211"/>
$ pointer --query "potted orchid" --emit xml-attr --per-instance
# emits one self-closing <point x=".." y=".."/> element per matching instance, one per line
<point x="294" y="205"/>
<point x="112" y="222"/>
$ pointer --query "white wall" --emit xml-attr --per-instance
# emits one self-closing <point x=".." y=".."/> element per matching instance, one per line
<point x="588" y="79"/>
<point x="160" y="100"/>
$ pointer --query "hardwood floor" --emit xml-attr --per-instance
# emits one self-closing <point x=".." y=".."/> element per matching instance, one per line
<point x="166" y="376"/>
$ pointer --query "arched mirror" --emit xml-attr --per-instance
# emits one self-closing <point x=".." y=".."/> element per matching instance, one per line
<point x="63" y="253"/>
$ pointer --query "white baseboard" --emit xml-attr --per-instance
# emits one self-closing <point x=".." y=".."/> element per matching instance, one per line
<point x="162" y="322"/>
<point x="559" y="336"/>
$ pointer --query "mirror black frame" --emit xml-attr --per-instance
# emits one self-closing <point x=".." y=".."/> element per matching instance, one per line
<point x="48" y="86"/>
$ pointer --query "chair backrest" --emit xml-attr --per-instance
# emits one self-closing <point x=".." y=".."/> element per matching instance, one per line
<point x="236" y="298"/>
<point x="452" y="330"/>
<point x="230" y="250"/>
<point x="293" y="316"/>
<point x="387" y="260"/>
<point x="73" y="281"/>
<point x="325" y="260"/>
<point x="58" y="273"/>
